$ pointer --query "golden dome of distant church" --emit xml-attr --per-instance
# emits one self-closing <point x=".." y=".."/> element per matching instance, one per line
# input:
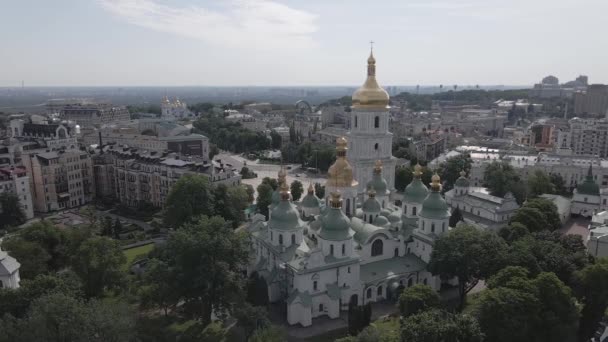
<point x="340" y="174"/>
<point x="370" y="95"/>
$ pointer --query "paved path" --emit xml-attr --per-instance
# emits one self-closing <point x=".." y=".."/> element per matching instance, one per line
<point x="577" y="226"/>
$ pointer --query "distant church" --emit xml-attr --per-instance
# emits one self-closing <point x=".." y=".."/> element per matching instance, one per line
<point x="354" y="246"/>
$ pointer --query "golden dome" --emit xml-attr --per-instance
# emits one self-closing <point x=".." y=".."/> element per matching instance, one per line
<point x="311" y="189"/>
<point x="336" y="200"/>
<point x="417" y="171"/>
<point x="436" y="182"/>
<point x="370" y="95"/>
<point x="282" y="173"/>
<point x="378" y="166"/>
<point x="284" y="190"/>
<point x="340" y="174"/>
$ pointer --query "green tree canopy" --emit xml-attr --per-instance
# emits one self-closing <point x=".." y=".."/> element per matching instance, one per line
<point x="469" y="254"/>
<point x="230" y="203"/>
<point x="531" y="218"/>
<point x="403" y="177"/>
<point x="264" y="198"/>
<point x="500" y="178"/>
<point x="548" y="209"/>
<point x="456" y="217"/>
<point x="539" y="183"/>
<point x="11" y="212"/>
<point x="592" y="290"/>
<point x="207" y="257"/>
<point x="296" y="190"/>
<point x="416" y="299"/>
<point x="99" y="262"/>
<point x="451" y="168"/>
<point x="440" y="326"/>
<point x="190" y="197"/>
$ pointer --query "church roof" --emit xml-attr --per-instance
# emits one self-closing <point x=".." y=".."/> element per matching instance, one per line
<point x="371" y="205"/>
<point x="462" y="181"/>
<point x="310" y="201"/>
<point x="8" y="264"/>
<point x="378" y="183"/>
<point x="303" y="297"/>
<point x="435" y="206"/>
<point x="378" y="271"/>
<point x="370" y="94"/>
<point x="363" y="230"/>
<point x="285" y="216"/>
<point x="335" y="225"/>
<point x="416" y="191"/>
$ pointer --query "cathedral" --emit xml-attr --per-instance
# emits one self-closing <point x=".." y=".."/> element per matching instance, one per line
<point x="354" y="246"/>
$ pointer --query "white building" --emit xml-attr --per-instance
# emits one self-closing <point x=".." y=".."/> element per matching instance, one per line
<point x="588" y="199"/>
<point x="15" y="180"/>
<point x="319" y="259"/>
<point x="480" y="208"/>
<point x="9" y="271"/>
<point x="597" y="243"/>
<point x="174" y="109"/>
<point x="369" y="136"/>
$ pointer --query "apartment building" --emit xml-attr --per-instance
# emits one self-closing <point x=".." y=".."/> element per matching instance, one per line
<point x="91" y="115"/>
<point x="15" y="180"/>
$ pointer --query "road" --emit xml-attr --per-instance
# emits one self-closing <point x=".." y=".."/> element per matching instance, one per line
<point x="269" y="170"/>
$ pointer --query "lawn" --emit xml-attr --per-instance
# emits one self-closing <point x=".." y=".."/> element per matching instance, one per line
<point x="134" y="253"/>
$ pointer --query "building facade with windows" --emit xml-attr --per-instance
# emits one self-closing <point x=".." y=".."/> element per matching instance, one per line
<point x="14" y="180"/>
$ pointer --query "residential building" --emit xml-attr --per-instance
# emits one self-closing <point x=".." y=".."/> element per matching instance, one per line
<point x="14" y="180"/>
<point x="593" y="101"/>
<point x="597" y="243"/>
<point x="94" y="115"/>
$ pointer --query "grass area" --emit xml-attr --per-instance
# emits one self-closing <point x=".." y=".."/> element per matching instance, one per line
<point x="134" y="253"/>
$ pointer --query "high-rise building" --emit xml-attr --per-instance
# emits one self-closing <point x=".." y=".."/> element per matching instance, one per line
<point x="93" y="115"/>
<point x="369" y="137"/>
<point x="593" y="102"/>
<point x="14" y="180"/>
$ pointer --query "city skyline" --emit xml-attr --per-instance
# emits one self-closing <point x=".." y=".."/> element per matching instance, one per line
<point x="290" y="43"/>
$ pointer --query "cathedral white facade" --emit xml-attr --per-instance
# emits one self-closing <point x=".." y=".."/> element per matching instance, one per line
<point x="321" y="255"/>
<point x="9" y="271"/>
<point x="174" y="109"/>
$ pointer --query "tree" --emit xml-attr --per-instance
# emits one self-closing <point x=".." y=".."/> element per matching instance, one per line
<point x="531" y="218"/>
<point x="277" y="140"/>
<point x="539" y="183"/>
<point x="359" y="317"/>
<point x="274" y="184"/>
<point x="189" y="198"/>
<point x="513" y="232"/>
<point x="11" y="212"/>
<point x="250" y="193"/>
<point x="296" y="190"/>
<point x="559" y="184"/>
<point x="251" y="318"/>
<point x="58" y="317"/>
<point x="107" y="229"/>
<point x="257" y="290"/>
<point x="592" y="290"/>
<point x="99" y="263"/>
<point x="438" y="326"/>
<point x="469" y="254"/>
<point x="548" y="209"/>
<point x="500" y="178"/>
<point x="451" y="168"/>
<point x="268" y="334"/>
<point x="456" y="217"/>
<point x="519" y="308"/>
<point x="230" y="203"/>
<point x="213" y="151"/>
<point x="117" y="229"/>
<point x="207" y="258"/>
<point x="416" y="299"/>
<point x="40" y="248"/>
<point x="319" y="190"/>
<point x="158" y="287"/>
<point x="403" y="177"/>
<point x="264" y="198"/>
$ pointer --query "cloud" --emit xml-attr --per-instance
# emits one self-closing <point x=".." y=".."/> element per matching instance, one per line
<point x="241" y="23"/>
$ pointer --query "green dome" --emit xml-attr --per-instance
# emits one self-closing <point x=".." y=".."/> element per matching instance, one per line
<point x="284" y="216"/>
<point x="310" y="201"/>
<point x="335" y="225"/>
<point x="394" y="217"/>
<point x="415" y="192"/>
<point x="588" y="187"/>
<point x="462" y="182"/>
<point x="435" y="207"/>
<point x="372" y="205"/>
<point x="380" y="221"/>
<point x="276" y="196"/>
<point x="379" y="184"/>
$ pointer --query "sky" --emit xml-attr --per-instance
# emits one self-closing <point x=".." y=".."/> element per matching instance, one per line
<point x="300" y="42"/>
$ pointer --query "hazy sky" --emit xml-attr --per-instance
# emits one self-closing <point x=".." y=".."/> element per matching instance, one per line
<point x="300" y="42"/>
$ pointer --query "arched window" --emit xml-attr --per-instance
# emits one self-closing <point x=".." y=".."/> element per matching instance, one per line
<point x="424" y="281"/>
<point x="369" y="293"/>
<point x="331" y="249"/>
<point x="348" y="206"/>
<point x="343" y="249"/>
<point x="414" y="211"/>
<point x="293" y="239"/>
<point x="396" y="252"/>
<point x="356" y="121"/>
<point x="280" y="239"/>
<point x="321" y="307"/>
<point x="405" y="208"/>
<point x="443" y="226"/>
<point x="410" y="282"/>
<point x="314" y="285"/>
<point x="370" y="218"/>
<point x="432" y="227"/>
<point x="376" y="146"/>
<point x="377" y="247"/>
<point x="379" y="291"/>
<point x="377" y="122"/>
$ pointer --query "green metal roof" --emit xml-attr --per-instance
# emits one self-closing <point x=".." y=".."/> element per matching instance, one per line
<point x="335" y="225"/>
<point x="363" y="230"/>
<point x="588" y="187"/>
<point x="381" y="221"/>
<point x="415" y="192"/>
<point x="285" y="216"/>
<point x="379" y="184"/>
<point x="371" y="205"/>
<point x="304" y="297"/>
<point x="276" y="196"/>
<point x="435" y="207"/>
<point x="310" y="201"/>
